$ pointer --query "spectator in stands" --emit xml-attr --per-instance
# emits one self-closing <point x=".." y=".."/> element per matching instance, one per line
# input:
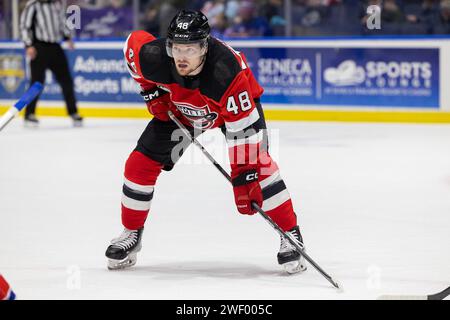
<point x="231" y="9"/>
<point x="317" y="11"/>
<point x="196" y="5"/>
<point x="247" y="24"/>
<point x="167" y="11"/>
<point x="442" y="25"/>
<point x="273" y="12"/>
<point x="391" y="12"/>
<point x="118" y="3"/>
<point x="150" y="21"/>
<point x="272" y="8"/>
<point x="430" y="14"/>
<point x="213" y="8"/>
<point x="218" y="26"/>
<point x="424" y="20"/>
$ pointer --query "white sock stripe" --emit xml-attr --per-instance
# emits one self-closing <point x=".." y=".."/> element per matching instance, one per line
<point x="270" y="179"/>
<point x="253" y="139"/>
<point x="135" y="204"/>
<point x="138" y="187"/>
<point x="276" y="200"/>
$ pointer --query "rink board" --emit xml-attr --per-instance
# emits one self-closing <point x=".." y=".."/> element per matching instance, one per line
<point x="271" y="114"/>
<point x="389" y="80"/>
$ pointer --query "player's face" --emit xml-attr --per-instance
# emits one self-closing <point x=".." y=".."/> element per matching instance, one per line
<point x="187" y="58"/>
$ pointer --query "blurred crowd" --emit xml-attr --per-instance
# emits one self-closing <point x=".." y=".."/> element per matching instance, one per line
<point x="266" y="18"/>
<point x="260" y="18"/>
<point x="412" y="16"/>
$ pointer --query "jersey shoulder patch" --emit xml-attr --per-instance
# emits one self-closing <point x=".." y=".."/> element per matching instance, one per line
<point x="220" y="69"/>
<point x="154" y="62"/>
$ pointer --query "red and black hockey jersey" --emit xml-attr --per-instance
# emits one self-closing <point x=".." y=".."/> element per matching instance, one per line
<point x="223" y="93"/>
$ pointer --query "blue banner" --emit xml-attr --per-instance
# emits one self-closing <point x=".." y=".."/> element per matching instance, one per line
<point x="381" y="77"/>
<point x="302" y="76"/>
<point x="348" y="77"/>
<point x="98" y="75"/>
<point x="287" y="75"/>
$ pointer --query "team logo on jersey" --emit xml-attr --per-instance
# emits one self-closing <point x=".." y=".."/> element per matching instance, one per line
<point x="11" y="72"/>
<point x="200" y="117"/>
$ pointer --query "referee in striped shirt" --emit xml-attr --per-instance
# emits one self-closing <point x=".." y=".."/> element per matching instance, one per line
<point x="43" y="27"/>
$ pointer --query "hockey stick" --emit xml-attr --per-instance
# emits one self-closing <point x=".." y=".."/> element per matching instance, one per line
<point x="438" y="296"/>
<point x="28" y="96"/>
<point x="255" y="206"/>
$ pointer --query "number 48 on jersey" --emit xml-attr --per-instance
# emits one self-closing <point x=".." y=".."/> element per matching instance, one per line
<point x="243" y="101"/>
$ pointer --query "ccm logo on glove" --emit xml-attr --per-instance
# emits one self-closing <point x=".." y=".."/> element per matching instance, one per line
<point x="150" y="95"/>
<point x="158" y="102"/>
<point x="252" y="176"/>
<point x="246" y="190"/>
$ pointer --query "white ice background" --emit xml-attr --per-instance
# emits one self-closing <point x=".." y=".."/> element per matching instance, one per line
<point x="373" y="202"/>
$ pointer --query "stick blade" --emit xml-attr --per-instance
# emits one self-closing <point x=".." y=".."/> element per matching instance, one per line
<point x="438" y="296"/>
<point x="338" y="286"/>
<point x="401" y="297"/>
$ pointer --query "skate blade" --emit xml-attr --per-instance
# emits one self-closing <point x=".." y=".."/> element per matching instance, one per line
<point x="31" y="125"/>
<point x="122" y="264"/>
<point x="78" y="124"/>
<point x="294" y="267"/>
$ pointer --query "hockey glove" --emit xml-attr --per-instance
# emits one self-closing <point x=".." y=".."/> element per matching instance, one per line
<point x="246" y="190"/>
<point x="158" y="102"/>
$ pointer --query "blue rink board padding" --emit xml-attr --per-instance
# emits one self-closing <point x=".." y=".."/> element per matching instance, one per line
<point x="306" y="76"/>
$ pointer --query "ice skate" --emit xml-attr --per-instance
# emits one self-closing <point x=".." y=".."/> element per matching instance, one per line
<point x="30" y="121"/>
<point x="122" y="253"/>
<point x="288" y="256"/>
<point x="77" y="120"/>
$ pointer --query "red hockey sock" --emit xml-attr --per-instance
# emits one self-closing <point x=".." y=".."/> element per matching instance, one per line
<point x="141" y="173"/>
<point x="277" y="201"/>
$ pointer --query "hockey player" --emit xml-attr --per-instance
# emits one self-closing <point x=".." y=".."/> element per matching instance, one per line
<point x="206" y="84"/>
<point x="5" y="290"/>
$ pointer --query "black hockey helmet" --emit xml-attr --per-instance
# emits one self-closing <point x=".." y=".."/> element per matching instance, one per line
<point x="188" y="27"/>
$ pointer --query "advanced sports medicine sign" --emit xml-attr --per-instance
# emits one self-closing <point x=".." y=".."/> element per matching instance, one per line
<point x="372" y="77"/>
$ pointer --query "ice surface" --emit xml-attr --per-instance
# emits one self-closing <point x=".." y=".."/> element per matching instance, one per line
<point x="373" y="202"/>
